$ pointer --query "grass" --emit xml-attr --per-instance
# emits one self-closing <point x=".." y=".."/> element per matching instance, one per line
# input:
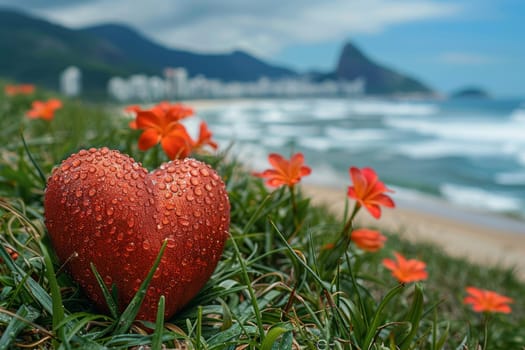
<point x="272" y="289"/>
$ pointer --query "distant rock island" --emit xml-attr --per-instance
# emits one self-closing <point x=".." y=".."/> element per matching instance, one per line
<point x="470" y="92"/>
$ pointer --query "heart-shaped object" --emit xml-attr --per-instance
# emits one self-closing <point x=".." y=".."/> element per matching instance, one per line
<point x="104" y="208"/>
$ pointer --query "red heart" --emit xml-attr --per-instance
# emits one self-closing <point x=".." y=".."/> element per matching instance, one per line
<point x="104" y="208"/>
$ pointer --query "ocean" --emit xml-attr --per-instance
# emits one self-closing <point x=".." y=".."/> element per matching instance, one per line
<point x="468" y="152"/>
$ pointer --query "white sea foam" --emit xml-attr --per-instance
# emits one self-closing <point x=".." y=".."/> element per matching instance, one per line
<point x="317" y="143"/>
<point x="518" y="115"/>
<point x="510" y="178"/>
<point x="357" y="135"/>
<point x="292" y="130"/>
<point x="434" y="149"/>
<point x="378" y="107"/>
<point x="478" y="198"/>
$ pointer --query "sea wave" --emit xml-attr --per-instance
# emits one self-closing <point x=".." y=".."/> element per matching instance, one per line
<point x="479" y="198"/>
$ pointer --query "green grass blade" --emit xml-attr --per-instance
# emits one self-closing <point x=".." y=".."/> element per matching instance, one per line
<point x="271" y="337"/>
<point x="56" y="298"/>
<point x="131" y="311"/>
<point x="414" y="317"/>
<point x="156" y="343"/>
<point x="247" y="281"/>
<point x="16" y="325"/>
<point x="110" y="301"/>
<point x="374" y="325"/>
<point x="33" y="161"/>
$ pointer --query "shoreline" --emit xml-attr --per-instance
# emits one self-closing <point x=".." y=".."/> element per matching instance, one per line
<point x="478" y="237"/>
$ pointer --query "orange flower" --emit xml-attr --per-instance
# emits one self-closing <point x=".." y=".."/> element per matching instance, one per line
<point x="205" y="136"/>
<point x="22" y="89"/>
<point x="161" y="124"/>
<point x="285" y="172"/>
<point x="133" y="109"/>
<point x="368" y="240"/>
<point x="44" y="109"/>
<point x="368" y="191"/>
<point x="487" y="301"/>
<point x="404" y="270"/>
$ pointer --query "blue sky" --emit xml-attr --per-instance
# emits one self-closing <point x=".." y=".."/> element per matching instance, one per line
<point x="447" y="44"/>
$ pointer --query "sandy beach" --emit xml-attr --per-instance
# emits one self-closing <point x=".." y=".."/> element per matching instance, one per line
<point x="479" y="237"/>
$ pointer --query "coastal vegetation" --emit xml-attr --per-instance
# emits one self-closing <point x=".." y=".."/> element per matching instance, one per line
<point x="292" y="275"/>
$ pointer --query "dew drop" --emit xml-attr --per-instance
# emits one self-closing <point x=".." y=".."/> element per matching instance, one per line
<point x="204" y="172"/>
<point x="146" y="245"/>
<point x="190" y="197"/>
<point x="120" y="236"/>
<point x="171" y="243"/>
<point x="76" y="162"/>
<point x="78" y="193"/>
<point x="131" y="223"/>
<point x="110" y="211"/>
<point x="130" y="247"/>
<point x="92" y="169"/>
<point x="184" y="222"/>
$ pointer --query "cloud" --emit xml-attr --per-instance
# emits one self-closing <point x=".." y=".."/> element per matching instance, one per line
<point x="465" y="58"/>
<point x="261" y="27"/>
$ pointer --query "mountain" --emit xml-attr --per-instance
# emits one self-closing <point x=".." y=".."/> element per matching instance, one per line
<point x="35" y="50"/>
<point x="235" y="66"/>
<point x="354" y="64"/>
<point x="470" y="92"/>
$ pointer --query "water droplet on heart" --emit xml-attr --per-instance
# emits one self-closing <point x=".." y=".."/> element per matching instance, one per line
<point x="198" y="191"/>
<point x="168" y="178"/>
<point x="184" y="222"/>
<point x="104" y="150"/>
<point x="78" y="193"/>
<point x="92" y="169"/>
<point x="146" y="245"/>
<point x="130" y="247"/>
<point x="75" y="176"/>
<point x="98" y="217"/>
<point x="204" y="172"/>
<point x="113" y="229"/>
<point x="168" y="195"/>
<point x="194" y="172"/>
<point x="92" y="192"/>
<point x="171" y="169"/>
<point x="65" y="167"/>
<point x="190" y="197"/>
<point x="162" y="185"/>
<point x="165" y="220"/>
<point x="76" y="162"/>
<point x="110" y="211"/>
<point x="208" y="187"/>
<point x="131" y="223"/>
<point x="197" y="213"/>
<point x="171" y="243"/>
<point x="120" y="236"/>
<point x="83" y="175"/>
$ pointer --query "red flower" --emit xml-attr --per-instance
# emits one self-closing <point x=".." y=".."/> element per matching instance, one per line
<point x="44" y="109"/>
<point x="285" y="172"/>
<point x="204" y="139"/>
<point x="404" y="270"/>
<point x="22" y="89"/>
<point x="368" y="191"/>
<point x="368" y="240"/>
<point x="487" y="301"/>
<point x="162" y="124"/>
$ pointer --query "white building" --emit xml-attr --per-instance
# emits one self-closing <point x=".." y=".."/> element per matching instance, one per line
<point x="71" y="81"/>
